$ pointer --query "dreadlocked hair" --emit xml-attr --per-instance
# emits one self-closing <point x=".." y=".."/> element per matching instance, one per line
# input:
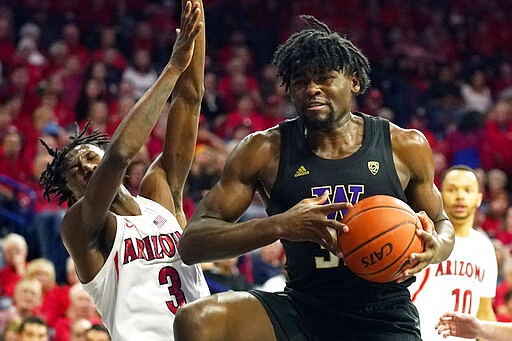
<point x="316" y="49"/>
<point x="53" y="178"/>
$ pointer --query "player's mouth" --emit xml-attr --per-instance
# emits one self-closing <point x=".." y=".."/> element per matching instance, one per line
<point x="459" y="208"/>
<point x="315" y="105"/>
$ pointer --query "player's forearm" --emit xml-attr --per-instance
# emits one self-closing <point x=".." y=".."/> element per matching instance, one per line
<point x="208" y="239"/>
<point x="495" y="331"/>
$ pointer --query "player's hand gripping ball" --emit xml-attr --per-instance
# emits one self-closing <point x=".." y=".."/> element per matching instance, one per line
<point x="381" y="237"/>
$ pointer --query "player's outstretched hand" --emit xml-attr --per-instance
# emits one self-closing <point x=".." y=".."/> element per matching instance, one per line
<point x="456" y="324"/>
<point x="190" y="27"/>
<point x="307" y="221"/>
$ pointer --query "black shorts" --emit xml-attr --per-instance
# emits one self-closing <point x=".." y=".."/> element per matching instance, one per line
<point x="297" y="317"/>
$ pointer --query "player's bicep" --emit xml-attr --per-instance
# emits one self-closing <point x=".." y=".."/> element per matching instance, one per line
<point x="234" y="192"/>
<point x="415" y="153"/>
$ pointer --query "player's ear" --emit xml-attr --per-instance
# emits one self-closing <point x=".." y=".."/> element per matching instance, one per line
<point x="356" y="86"/>
<point x="479" y="199"/>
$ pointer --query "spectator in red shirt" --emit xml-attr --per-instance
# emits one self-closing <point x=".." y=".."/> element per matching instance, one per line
<point x="81" y="306"/>
<point x="244" y="114"/>
<point x="26" y="302"/>
<point x="13" y="163"/>
<point x="44" y="271"/>
<point x="14" y="248"/>
<point x="497" y="139"/>
<point x="505" y="233"/>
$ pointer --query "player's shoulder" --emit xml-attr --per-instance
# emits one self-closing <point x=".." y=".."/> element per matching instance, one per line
<point x="262" y="141"/>
<point x="407" y="137"/>
<point x="481" y="237"/>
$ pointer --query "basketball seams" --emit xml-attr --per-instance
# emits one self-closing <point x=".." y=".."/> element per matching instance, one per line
<point x="377" y="207"/>
<point x="383" y="236"/>
<point x="380" y="235"/>
<point x="392" y="263"/>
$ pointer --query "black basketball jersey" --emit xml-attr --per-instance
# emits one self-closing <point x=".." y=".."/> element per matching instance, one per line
<point x="313" y="270"/>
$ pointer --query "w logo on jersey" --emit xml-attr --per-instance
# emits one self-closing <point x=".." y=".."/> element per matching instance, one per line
<point x="159" y="221"/>
<point x="342" y="193"/>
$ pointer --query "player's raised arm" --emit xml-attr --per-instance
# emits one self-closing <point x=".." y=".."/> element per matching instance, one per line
<point x="90" y="179"/>
<point x="180" y="139"/>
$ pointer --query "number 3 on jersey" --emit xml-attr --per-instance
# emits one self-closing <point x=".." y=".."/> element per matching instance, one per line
<point x="168" y="275"/>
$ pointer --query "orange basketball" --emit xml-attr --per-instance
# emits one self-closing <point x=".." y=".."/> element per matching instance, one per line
<point x="381" y="238"/>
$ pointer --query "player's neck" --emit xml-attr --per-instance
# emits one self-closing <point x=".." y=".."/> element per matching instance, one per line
<point x="125" y="204"/>
<point x="462" y="228"/>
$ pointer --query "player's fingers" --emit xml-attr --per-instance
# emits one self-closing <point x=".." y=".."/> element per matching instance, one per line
<point x="336" y="225"/>
<point x="335" y="207"/>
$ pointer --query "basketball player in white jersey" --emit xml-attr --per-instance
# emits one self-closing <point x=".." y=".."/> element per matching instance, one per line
<point x="466" y="281"/>
<point x="124" y="247"/>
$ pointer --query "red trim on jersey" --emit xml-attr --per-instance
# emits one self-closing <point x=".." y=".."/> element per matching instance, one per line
<point x="116" y="264"/>
<point x="422" y="285"/>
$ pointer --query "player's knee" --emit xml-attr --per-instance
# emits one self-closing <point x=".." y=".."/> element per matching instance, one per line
<point x="192" y="322"/>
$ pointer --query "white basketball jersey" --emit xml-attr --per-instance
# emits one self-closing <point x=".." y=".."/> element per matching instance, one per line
<point x="456" y="284"/>
<point x="144" y="281"/>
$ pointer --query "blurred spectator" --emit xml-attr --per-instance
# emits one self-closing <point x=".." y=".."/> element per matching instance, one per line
<point x="236" y="83"/>
<point x="476" y="93"/>
<point x="97" y="332"/>
<point x="140" y="72"/>
<point x="71" y="36"/>
<point x="503" y="78"/>
<point x="444" y="98"/>
<point x="504" y="313"/>
<point x="503" y="258"/>
<point x="505" y="232"/>
<point x="205" y="172"/>
<point x="99" y="116"/>
<point x="223" y="275"/>
<point x="212" y="105"/>
<point x="13" y="162"/>
<point x="81" y="307"/>
<point x="372" y="102"/>
<point x="14" y="249"/>
<point x="267" y="262"/>
<point x="134" y="175"/>
<point x="10" y="332"/>
<point x="78" y="329"/>
<point x="7" y="46"/>
<point x="108" y="51"/>
<point x="43" y="270"/>
<point x="465" y="140"/>
<point x="26" y="302"/>
<point x="502" y="288"/>
<point x="33" y="329"/>
<point x="497" y="139"/>
<point x="246" y="114"/>
<point x="92" y="91"/>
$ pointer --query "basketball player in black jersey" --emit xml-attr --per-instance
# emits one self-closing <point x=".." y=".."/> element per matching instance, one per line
<point x="308" y="169"/>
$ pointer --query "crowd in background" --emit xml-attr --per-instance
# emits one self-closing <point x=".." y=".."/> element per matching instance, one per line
<point x="443" y="67"/>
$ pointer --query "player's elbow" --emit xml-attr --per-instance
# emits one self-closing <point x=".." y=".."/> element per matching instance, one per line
<point x="190" y="92"/>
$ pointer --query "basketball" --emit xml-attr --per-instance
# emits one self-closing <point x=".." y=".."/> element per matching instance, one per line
<point x="381" y="237"/>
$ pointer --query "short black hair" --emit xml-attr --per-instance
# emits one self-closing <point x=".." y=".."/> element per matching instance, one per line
<point x="31" y="320"/>
<point x="319" y="50"/>
<point x="53" y="179"/>
<point x="458" y="167"/>
<point x="99" y="327"/>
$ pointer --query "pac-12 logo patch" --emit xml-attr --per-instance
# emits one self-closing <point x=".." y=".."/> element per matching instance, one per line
<point x="373" y="166"/>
